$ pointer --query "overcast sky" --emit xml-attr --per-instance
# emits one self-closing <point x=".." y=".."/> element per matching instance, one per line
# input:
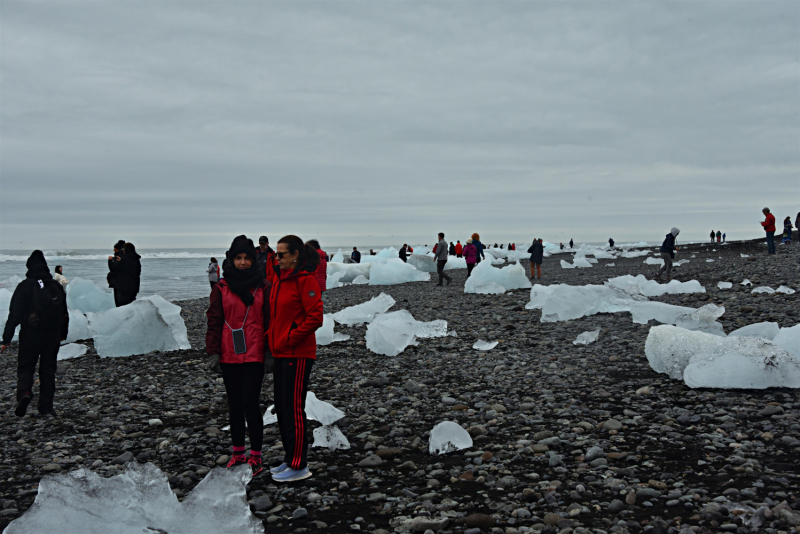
<point x="182" y="124"/>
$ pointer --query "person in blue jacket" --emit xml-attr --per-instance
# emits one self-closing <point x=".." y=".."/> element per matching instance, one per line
<point x="476" y="240"/>
<point x="668" y="249"/>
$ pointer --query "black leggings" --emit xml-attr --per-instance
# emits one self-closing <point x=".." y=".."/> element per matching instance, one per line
<point x="42" y="347"/>
<point x="243" y="386"/>
<point x="291" y="386"/>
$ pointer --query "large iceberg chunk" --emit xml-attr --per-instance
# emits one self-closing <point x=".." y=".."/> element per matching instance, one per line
<point x="789" y="339"/>
<point x="364" y="312"/>
<point x="137" y="501"/>
<point x="338" y="257"/>
<point x="764" y="330"/>
<point x="78" y="327"/>
<point x="395" y="271"/>
<point x="142" y="326"/>
<point x="651" y="288"/>
<point x="325" y="334"/>
<point x="706" y="360"/>
<point x="485" y="278"/>
<point x="427" y="264"/>
<point x="448" y="437"/>
<point x="71" y="350"/>
<point x="87" y="297"/>
<point x="539" y="295"/>
<point x="331" y="437"/>
<point x="390" y="333"/>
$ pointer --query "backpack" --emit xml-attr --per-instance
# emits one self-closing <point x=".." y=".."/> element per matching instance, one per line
<point x="47" y="304"/>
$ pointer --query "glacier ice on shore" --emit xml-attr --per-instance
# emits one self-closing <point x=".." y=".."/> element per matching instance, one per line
<point x="447" y="437"/>
<point x="484" y="345"/>
<point x="485" y="275"/>
<point x="707" y="360"/>
<point x="5" y="305"/>
<point x="427" y="264"/>
<point x="78" y="327"/>
<point x="325" y="334"/>
<point x="71" y="350"/>
<point x="789" y="339"/>
<point x="332" y="280"/>
<point x="364" y="312"/>
<point x="338" y="257"/>
<point x="395" y="271"/>
<point x="586" y="338"/>
<point x="764" y="330"/>
<point x="86" y="297"/>
<point x="651" y="288"/>
<point x="323" y="412"/>
<point x="139" y="500"/>
<point x="350" y="271"/>
<point x="390" y="333"/>
<point x="143" y="326"/>
<point x="360" y="280"/>
<point x="724" y="285"/>
<point x="654" y="261"/>
<point x="331" y="437"/>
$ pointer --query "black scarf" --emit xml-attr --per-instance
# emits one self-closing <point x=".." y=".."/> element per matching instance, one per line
<point x="243" y="281"/>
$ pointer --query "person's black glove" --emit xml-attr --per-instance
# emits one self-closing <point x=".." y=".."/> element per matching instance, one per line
<point x="213" y="364"/>
<point x="269" y="363"/>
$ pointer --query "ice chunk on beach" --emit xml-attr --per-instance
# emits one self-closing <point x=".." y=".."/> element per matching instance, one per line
<point x="744" y="255"/>
<point x="137" y="501"/>
<point x="634" y="253"/>
<point x="763" y="289"/>
<point x="539" y="295"/>
<point x="142" y="326"/>
<point x="724" y="285"/>
<point x="427" y="264"/>
<point x="586" y="338"/>
<point x="325" y="334"/>
<point x="789" y="339"/>
<point x="360" y="280"/>
<point x="71" y="350"/>
<point x="364" y="312"/>
<point x="484" y="276"/>
<point x="566" y="303"/>
<point x="395" y="271"/>
<point x="703" y="320"/>
<point x="447" y="437"/>
<point x="610" y="264"/>
<point x="577" y="262"/>
<point x="706" y="360"/>
<point x="484" y="345"/>
<point x="332" y="280"/>
<point x="5" y="305"/>
<point x="745" y="282"/>
<point x="785" y="290"/>
<point x="764" y="330"/>
<point x="390" y="333"/>
<point x="323" y="412"/>
<point x="78" y="327"/>
<point x="87" y="297"/>
<point x="654" y="261"/>
<point x="350" y="271"/>
<point x="338" y="257"/>
<point x="10" y="283"/>
<point x="331" y="437"/>
<point x="435" y="328"/>
<point x="651" y="288"/>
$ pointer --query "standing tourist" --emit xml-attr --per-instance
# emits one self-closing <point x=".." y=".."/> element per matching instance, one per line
<point x="322" y="268"/>
<point x="570" y="242"/>
<point x="452" y="249"/>
<point x="712" y="234"/>
<point x="787" y="230"/>
<point x="265" y="256"/>
<point x="536" y="251"/>
<point x="476" y="240"/>
<point x="213" y="272"/>
<point x="60" y="278"/>
<point x="128" y="269"/>
<point x="719" y="236"/>
<point x="296" y="314"/>
<point x="112" y="277"/>
<point x="769" y="228"/>
<point x="238" y="318"/>
<point x="39" y="307"/>
<point x="404" y="253"/>
<point x="355" y="256"/>
<point x="471" y="256"/>
<point x="459" y="249"/>
<point x="440" y="254"/>
<point x="668" y="249"/>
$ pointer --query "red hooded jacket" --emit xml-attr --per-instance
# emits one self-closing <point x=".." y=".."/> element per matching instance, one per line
<point x="322" y="270"/>
<point x="769" y="223"/>
<point x="459" y="248"/>
<point x="296" y="313"/>
<point x="226" y="306"/>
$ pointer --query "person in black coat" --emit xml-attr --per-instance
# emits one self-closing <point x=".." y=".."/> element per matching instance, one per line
<point x="111" y="277"/>
<point x="39" y="307"/>
<point x="355" y="256"/>
<point x="404" y="253"/>
<point x="129" y="272"/>
<point x="536" y="251"/>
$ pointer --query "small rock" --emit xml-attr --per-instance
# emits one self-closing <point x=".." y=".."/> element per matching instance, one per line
<point x="616" y="506"/>
<point x="371" y="461"/>
<point x="51" y="468"/>
<point x="612" y="424"/>
<point x="123" y="458"/>
<point x="299" y="513"/>
<point x="222" y="459"/>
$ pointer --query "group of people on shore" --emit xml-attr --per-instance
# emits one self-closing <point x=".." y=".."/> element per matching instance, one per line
<point x="124" y="273"/>
<point x="769" y="228"/>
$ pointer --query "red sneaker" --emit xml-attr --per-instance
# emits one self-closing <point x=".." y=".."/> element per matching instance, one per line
<point x="237" y="459"/>
<point x="255" y="464"/>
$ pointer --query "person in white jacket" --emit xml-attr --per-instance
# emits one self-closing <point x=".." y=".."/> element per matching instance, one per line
<point x="213" y="272"/>
<point x="60" y="278"/>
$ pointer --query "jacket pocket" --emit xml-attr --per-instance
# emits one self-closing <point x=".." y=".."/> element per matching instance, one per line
<point x="289" y="335"/>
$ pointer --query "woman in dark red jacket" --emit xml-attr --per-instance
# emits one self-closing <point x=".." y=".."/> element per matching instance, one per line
<point x="296" y="307"/>
<point x="238" y="319"/>
<point x="322" y="269"/>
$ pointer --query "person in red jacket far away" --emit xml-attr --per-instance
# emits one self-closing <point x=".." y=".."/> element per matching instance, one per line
<point x="296" y="307"/>
<point x="322" y="268"/>
<point x="459" y="249"/>
<point x="238" y="318"/>
<point x="769" y="228"/>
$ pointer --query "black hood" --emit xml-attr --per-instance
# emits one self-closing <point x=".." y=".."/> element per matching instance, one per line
<point x="37" y="266"/>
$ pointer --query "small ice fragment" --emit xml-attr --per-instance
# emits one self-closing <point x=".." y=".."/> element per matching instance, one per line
<point x="610" y="264"/>
<point x="764" y="289"/>
<point x="448" y="437"/>
<point x="587" y="337"/>
<point x="724" y="285"/>
<point x="436" y="328"/>
<point x="709" y="261"/>
<point x="485" y="345"/>
<point x="325" y="334"/>
<point x="331" y="437"/>
<point x="785" y="290"/>
<point x="269" y="418"/>
<point x="71" y="350"/>
<point x="360" y="280"/>
<point x="654" y="261"/>
<point x="332" y="280"/>
<point x="764" y="330"/>
<point x="324" y="412"/>
<point x="745" y="255"/>
<point x="390" y="333"/>
<point x="364" y="312"/>
<point x="746" y="282"/>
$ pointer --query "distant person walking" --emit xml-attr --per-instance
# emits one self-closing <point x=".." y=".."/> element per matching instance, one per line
<point x="238" y="319"/>
<point x="213" y="272"/>
<point x="570" y="242"/>
<point x="404" y="253"/>
<point x="60" y="278"/>
<point x="440" y="254"/>
<point x="719" y="236"/>
<point x="452" y="249"/>
<point x="561" y="245"/>
<point x="459" y="249"/>
<point x="536" y="251"/>
<point x="723" y="237"/>
<point x="265" y="256"/>
<point x="39" y="307"/>
<point x="476" y="240"/>
<point x="712" y="234"/>
<point x="296" y="314"/>
<point x="787" y="231"/>
<point x="112" y="276"/>
<point x="322" y="269"/>
<point x="355" y="256"/>
<point x="471" y="256"/>
<point x="769" y="228"/>
<point x="610" y="243"/>
<point x="129" y="272"/>
<point x="668" y="249"/>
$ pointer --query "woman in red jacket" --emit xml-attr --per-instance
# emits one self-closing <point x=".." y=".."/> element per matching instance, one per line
<point x="296" y="313"/>
<point x="322" y="269"/>
<point x="238" y="318"/>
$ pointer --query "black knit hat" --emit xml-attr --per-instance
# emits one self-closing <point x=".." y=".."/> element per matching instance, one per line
<point x="36" y="259"/>
<point x="120" y="245"/>
<point x="241" y="244"/>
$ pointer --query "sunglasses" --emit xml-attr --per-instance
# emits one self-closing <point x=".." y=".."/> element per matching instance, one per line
<point x="280" y="254"/>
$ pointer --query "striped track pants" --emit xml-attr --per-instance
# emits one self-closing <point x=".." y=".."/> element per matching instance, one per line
<point x="291" y="385"/>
